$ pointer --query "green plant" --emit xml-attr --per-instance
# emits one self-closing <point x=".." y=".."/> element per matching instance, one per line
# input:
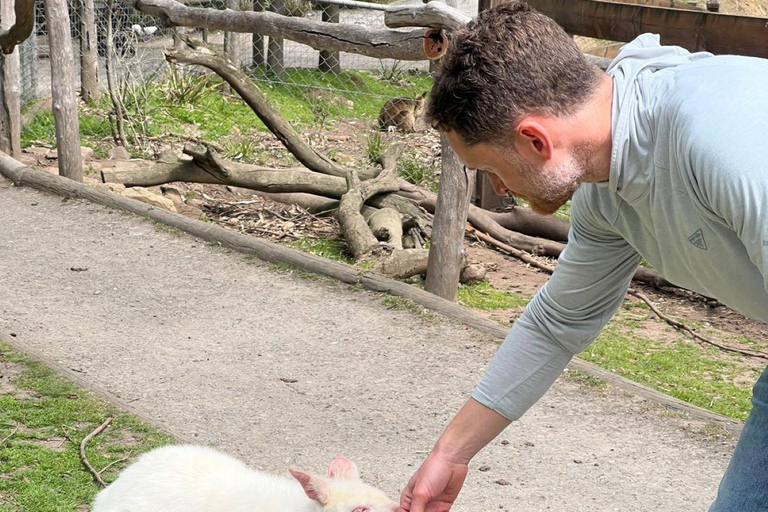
<point x="375" y="147"/>
<point x="185" y="87"/>
<point x="417" y="173"/>
<point x="391" y="71"/>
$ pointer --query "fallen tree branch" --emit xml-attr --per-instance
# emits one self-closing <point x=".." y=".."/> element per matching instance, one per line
<point x="22" y="27"/>
<point x="202" y="55"/>
<point x="6" y="438"/>
<point x="358" y="235"/>
<point x="528" y="222"/>
<point x="118" y="461"/>
<point x="377" y="43"/>
<point x="682" y="327"/>
<point x="84" y="459"/>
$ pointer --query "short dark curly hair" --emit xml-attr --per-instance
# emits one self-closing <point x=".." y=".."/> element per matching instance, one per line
<point x="508" y="62"/>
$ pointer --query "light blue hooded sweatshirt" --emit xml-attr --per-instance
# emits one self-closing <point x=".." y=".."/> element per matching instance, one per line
<point x="688" y="191"/>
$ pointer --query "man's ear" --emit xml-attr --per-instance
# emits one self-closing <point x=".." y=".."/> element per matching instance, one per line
<point x="534" y="140"/>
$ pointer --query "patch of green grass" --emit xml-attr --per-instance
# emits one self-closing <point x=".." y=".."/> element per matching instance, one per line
<point x="484" y="296"/>
<point x="417" y="173"/>
<point x="375" y="147"/>
<point x="165" y="228"/>
<point x="42" y="128"/>
<point x="331" y="249"/>
<point x="699" y="375"/>
<point x="403" y="304"/>
<point x="41" y="468"/>
<point x="586" y="380"/>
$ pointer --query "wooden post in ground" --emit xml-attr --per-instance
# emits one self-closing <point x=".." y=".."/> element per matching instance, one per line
<point x="230" y="38"/>
<point x="275" y="58"/>
<point x="485" y="197"/>
<point x="259" y="53"/>
<point x="89" y="58"/>
<point x="446" y="245"/>
<point x="64" y="97"/>
<point x="329" y="61"/>
<point x="10" y="94"/>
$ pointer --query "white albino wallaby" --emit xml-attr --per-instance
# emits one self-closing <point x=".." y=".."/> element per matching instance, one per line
<point x="189" y="478"/>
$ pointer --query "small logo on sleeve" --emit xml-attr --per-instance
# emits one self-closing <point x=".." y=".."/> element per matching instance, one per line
<point x="697" y="239"/>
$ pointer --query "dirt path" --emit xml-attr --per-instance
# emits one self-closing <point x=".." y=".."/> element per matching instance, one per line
<point x="279" y="370"/>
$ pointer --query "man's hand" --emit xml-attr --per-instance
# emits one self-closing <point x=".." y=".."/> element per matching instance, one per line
<point x="438" y="481"/>
<point x="435" y="485"/>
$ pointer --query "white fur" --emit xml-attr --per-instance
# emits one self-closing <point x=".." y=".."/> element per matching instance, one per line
<point x="198" y="479"/>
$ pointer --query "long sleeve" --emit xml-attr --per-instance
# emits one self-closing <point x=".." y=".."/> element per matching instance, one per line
<point x="566" y="315"/>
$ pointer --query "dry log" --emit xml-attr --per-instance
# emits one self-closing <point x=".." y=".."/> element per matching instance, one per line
<point x="170" y="168"/>
<point x="22" y="27"/>
<point x="378" y="43"/>
<point x="387" y="226"/>
<point x="404" y="263"/>
<point x="310" y="202"/>
<point x="202" y="55"/>
<point x="273" y="253"/>
<point x="482" y="221"/>
<point x="431" y="15"/>
<point x="358" y="235"/>
<point x="528" y="222"/>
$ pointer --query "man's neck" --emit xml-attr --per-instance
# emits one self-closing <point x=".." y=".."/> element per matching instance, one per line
<point x="592" y="131"/>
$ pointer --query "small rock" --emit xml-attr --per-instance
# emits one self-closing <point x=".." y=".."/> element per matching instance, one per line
<point x="119" y="153"/>
<point x="109" y="187"/>
<point x="529" y="444"/>
<point x="484" y="468"/>
<point x="233" y="222"/>
<point x="189" y="211"/>
<point x="501" y="481"/>
<point x="145" y="196"/>
<point x="504" y="442"/>
<point x="350" y="104"/>
<point x="473" y="273"/>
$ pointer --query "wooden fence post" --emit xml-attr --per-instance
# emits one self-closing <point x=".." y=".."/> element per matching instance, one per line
<point x="10" y="95"/>
<point x="230" y="38"/>
<point x="89" y="58"/>
<point x="259" y="55"/>
<point x="329" y="61"/>
<point x="275" y="59"/>
<point x="64" y="97"/>
<point x="446" y="245"/>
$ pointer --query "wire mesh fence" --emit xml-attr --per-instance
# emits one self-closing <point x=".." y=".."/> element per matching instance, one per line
<point x="387" y="91"/>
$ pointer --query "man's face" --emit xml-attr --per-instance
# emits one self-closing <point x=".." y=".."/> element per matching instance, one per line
<point x="546" y="187"/>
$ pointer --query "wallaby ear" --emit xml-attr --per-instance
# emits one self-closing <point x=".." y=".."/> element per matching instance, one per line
<point x="342" y="469"/>
<point x="314" y="487"/>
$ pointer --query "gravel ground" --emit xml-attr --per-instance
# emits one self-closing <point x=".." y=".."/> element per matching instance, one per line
<point x="279" y="370"/>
